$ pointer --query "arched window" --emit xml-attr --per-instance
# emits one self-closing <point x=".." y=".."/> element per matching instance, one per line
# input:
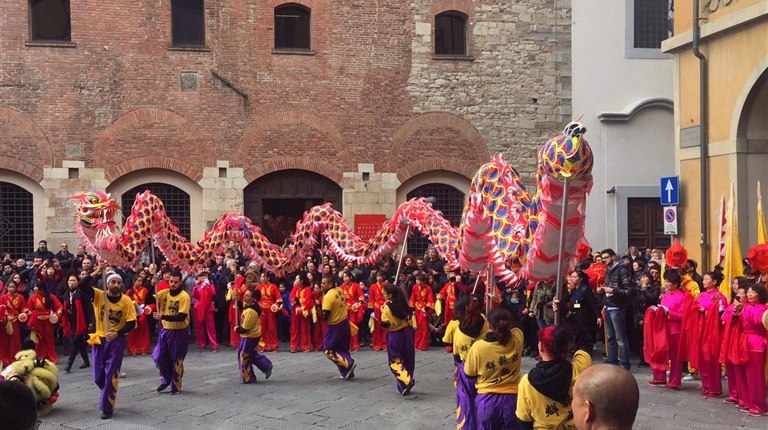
<point x="16" y="220"/>
<point x="292" y="27"/>
<point x="451" y="33"/>
<point x="49" y="20"/>
<point x="444" y="198"/>
<point x="175" y="201"/>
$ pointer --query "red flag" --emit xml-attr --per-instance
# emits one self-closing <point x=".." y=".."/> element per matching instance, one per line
<point x="655" y="341"/>
<point x="690" y="334"/>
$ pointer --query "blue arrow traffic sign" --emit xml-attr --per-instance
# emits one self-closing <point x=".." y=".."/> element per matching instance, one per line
<point x="670" y="191"/>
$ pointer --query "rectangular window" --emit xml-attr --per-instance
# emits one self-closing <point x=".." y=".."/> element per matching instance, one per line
<point x="188" y="22"/>
<point x="652" y="23"/>
<point x="292" y="27"/>
<point x="49" y="21"/>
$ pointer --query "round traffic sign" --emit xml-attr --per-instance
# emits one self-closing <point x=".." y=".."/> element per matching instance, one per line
<point x="669" y="215"/>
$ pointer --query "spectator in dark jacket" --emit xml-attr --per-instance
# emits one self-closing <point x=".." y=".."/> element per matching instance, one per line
<point x="618" y="290"/>
<point x="580" y="312"/>
<point x="648" y="294"/>
<point x="43" y="252"/>
<point x="65" y="258"/>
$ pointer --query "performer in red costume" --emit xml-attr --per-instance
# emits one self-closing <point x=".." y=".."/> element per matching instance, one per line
<point x="271" y="302"/>
<point x="234" y="295"/>
<point x="138" y="339"/>
<point x="355" y="305"/>
<point x="755" y="334"/>
<point x="376" y="301"/>
<point x="318" y="326"/>
<point x="15" y="305"/>
<point x="44" y="306"/>
<point x="302" y="303"/>
<point x="671" y="307"/>
<point x="711" y="303"/>
<point x="448" y="295"/>
<point x="205" y="328"/>
<point x="422" y="301"/>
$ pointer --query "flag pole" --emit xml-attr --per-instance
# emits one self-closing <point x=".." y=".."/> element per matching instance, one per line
<point x="561" y="249"/>
<point x="402" y="252"/>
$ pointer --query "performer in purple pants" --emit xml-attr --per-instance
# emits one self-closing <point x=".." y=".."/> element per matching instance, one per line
<point x="336" y="339"/>
<point x="116" y="316"/>
<point x="250" y="334"/>
<point x="396" y="318"/>
<point x="173" y="342"/>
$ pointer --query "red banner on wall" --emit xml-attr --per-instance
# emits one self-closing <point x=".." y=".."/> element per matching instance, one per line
<point x="366" y="225"/>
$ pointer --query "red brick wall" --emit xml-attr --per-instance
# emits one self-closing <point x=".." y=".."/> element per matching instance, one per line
<point x="114" y="100"/>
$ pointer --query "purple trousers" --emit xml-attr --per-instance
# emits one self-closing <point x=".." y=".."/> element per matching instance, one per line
<point x="496" y="411"/>
<point x="107" y="360"/>
<point x="169" y="356"/>
<point x="402" y="356"/>
<point x="336" y="346"/>
<point x="248" y="356"/>
<point x="465" y="399"/>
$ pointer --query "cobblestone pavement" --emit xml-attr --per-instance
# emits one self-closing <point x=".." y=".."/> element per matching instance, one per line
<point x="304" y="391"/>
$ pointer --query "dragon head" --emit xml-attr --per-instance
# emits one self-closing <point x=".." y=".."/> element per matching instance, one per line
<point x="567" y="155"/>
<point x="95" y="209"/>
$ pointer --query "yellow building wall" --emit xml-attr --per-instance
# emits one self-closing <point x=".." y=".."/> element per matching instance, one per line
<point x="684" y="12"/>
<point x="731" y="60"/>
<point x="689" y="213"/>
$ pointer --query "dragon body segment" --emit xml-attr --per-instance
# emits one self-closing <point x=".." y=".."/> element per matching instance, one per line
<point x="504" y="227"/>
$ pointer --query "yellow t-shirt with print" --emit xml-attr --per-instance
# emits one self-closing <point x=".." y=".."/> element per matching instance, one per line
<point x="250" y="322"/>
<point x="335" y="302"/>
<point x="119" y="313"/>
<point x="173" y="305"/>
<point x="460" y="341"/>
<point x="395" y="323"/>
<point x="545" y="413"/>
<point x="496" y="366"/>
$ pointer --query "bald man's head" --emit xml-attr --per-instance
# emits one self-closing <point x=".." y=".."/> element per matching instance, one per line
<point x="605" y="396"/>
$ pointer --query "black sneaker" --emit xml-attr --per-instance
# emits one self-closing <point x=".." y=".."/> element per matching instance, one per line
<point x="85" y="365"/>
<point x="408" y="388"/>
<point x="106" y="415"/>
<point x="351" y="375"/>
<point x="268" y="373"/>
<point x="162" y="387"/>
<point x="351" y="371"/>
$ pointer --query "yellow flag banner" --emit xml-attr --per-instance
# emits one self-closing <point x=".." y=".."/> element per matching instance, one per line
<point x="733" y="265"/>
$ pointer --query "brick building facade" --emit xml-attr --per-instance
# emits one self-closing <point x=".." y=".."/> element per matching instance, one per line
<point x="368" y="105"/>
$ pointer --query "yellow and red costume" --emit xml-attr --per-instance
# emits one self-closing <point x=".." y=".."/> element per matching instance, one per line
<point x="302" y="300"/>
<point x="318" y="325"/>
<point x="376" y="301"/>
<point x="270" y="303"/>
<point x="448" y="294"/>
<point x="10" y="344"/>
<point x="422" y="300"/>
<point x="355" y="307"/>
<point x="138" y="339"/>
<point x="236" y="293"/>
<point x="42" y="307"/>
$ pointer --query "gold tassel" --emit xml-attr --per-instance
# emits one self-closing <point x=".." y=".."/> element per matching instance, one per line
<point x="9" y="328"/>
<point x="439" y="307"/>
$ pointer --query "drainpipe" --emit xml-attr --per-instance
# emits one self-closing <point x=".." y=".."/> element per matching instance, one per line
<point x="704" y="127"/>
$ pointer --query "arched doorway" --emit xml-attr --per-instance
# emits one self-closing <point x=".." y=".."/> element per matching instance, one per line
<point x="175" y="201"/>
<point x="753" y="130"/>
<point x="445" y="198"/>
<point x="278" y="200"/>
<point x="16" y="220"/>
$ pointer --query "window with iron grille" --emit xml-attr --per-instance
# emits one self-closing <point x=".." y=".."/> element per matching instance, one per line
<point x="652" y="22"/>
<point x="175" y="201"/>
<point x="16" y="220"/>
<point x="447" y="200"/>
<point x="292" y="27"/>
<point x="49" y="21"/>
<point x="188" y="22"/>
<point x="451" y="33"/>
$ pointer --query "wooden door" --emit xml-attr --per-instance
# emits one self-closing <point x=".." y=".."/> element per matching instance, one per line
<point x="645" y="221"/>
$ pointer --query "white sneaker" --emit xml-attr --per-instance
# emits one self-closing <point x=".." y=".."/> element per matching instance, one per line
<point x="691" y="377"/>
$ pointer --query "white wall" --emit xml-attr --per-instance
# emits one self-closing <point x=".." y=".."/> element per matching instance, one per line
<point x="605" y="81"/>
<point x="39" y="202"/>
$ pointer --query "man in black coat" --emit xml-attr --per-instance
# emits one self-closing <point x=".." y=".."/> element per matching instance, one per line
<point x="619" y="289"/>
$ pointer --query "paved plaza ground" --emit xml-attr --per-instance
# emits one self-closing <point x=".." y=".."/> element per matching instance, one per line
<point x="305" y="392"/>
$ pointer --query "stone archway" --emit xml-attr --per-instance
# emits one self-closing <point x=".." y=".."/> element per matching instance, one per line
<point x="276" y="201"/>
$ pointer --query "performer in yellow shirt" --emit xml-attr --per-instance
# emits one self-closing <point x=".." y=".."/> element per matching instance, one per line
<point x="468" y="326"/>
<point x="109" y="342"/>
<point x="173" y="341"/>
<point x="336" y="339"/>
<point x="495" y="362"/>
<point x="545" y="393"/>
<point x="250" y="333"/>
<point x="396" y="318"/>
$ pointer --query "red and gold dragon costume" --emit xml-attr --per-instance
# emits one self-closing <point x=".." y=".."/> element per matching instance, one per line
<point x="504" y="227"/>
